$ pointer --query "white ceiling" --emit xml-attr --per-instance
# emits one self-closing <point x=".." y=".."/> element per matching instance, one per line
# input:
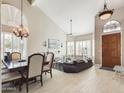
<point x="82" y="12"/>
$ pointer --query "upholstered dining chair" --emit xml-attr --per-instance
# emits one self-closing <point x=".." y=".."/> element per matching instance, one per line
<point x="48" y="67"/>
<point x="34" y="69"/>
<point x="12" y="77"/>
<point x="15" y="56"/>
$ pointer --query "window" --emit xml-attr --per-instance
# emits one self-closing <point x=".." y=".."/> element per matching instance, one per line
<point x="16" y="43"/>
<point x="83" y="48"/>
<point x="11" y="43"/>
<point x="7" y="42"/>
<point x="10" y="16"/>
<point x="112" y="26"/>
<point x="79" y="48"/>
<point x="87" y="48"/>
<point x="70" y="48"/>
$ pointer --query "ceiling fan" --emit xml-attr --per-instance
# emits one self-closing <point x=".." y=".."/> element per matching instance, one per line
<point x="70" y="34"/>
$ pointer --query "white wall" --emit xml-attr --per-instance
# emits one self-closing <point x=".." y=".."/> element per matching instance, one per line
<point x="41" y="28"/>
<point x="117" y="15"/>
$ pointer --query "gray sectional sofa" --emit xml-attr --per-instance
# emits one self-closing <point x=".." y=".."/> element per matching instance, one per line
<point x="76" y="67"/>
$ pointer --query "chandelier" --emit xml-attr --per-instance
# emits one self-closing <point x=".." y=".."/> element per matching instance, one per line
<point x="106" y="13"/>
<point x="21" y="31"/>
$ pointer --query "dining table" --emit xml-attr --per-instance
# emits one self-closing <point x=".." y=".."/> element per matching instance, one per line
<point x="17" y="65"/>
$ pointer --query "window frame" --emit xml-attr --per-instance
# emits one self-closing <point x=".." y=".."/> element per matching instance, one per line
<point x="86" y="46"/>
<point x="112" y="30"/>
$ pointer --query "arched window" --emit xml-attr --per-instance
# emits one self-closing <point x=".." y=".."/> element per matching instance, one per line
<point x="10" y="18"/>
<point x="112" y="26"/>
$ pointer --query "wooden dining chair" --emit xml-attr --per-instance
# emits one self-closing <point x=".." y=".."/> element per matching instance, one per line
<point x="48" y="68"/>
<point x="3" y="65"/>
<point x="12" y="77"/>
<point x="15" y="56"/>
<point x="35" y="68"/>
<point x="3" y="68"/>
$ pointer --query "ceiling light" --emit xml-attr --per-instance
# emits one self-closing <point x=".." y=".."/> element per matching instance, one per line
<point x="106" y="13"/>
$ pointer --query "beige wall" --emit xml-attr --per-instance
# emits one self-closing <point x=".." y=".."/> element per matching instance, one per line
<point x="41" y="28"/>
<point x="117" y="15"/>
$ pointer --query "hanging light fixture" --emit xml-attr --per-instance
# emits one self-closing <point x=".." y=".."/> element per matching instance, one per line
<point x="21" y="31"/>
<point x="70" y="28"/>
<point x="106" y="13"/>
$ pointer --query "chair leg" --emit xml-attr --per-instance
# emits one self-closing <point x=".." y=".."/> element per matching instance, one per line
<point x="27" y="86"/>
<point x="20" y="84"/>
<point x="41" y="80"/>
<point x="35" y="79"/>
<point x="45" y="73"/>
<point x="51" y="73"/>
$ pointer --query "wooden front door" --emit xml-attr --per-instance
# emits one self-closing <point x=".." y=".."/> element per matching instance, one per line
<point x="111" y="50"/>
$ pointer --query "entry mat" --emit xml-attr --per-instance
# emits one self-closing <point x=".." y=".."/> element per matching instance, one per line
<point x="107" y="68"/>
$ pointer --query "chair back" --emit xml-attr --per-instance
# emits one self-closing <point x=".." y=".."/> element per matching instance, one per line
<point x="50" y="59"/>
<point x="35" y="65"/>
<point x="15" y="56"/>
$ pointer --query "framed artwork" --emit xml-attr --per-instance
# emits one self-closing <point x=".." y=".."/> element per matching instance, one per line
<point x="53" y="44"/>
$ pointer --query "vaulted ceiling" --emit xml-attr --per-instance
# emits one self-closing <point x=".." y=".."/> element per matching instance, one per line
<point x="82" y="12"/>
